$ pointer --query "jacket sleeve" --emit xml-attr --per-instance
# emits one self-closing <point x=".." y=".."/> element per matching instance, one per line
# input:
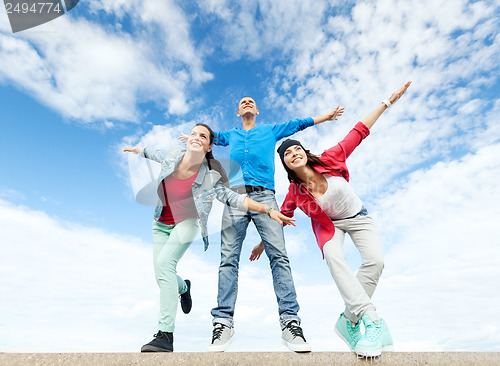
<point x="282" y="130"/>
<point x="288" y="207"/>
<point x="158" y="155"/>
<point x="226" y="195"/>
<point x="344" y="148"/>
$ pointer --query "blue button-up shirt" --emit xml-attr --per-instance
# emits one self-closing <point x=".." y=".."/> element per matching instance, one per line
<point x="254" y="150"/>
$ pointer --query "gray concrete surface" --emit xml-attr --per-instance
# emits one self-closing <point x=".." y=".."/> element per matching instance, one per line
<point x="248" y="358"/>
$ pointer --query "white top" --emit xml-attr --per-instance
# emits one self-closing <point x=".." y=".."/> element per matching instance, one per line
<point x="339" y="201"/>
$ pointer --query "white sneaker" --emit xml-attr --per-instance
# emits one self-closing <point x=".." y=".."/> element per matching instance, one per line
<point x="222" y="337"/>
<point x="293" y="338"/>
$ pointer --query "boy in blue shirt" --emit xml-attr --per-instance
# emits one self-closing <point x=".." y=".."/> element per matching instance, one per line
<point x="253" y="146"/>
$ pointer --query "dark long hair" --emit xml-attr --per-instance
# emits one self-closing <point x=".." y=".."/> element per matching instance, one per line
<point x="212" y="163"/>
<point x="312" y="160"/>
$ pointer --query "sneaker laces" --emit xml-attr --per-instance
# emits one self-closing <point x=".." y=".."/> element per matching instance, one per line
<point x="373" y="331"/>
<point x="217" y="332"/>
<point x="353" y="331"/>
<point x="160" y="334"/>
<point x="296" y="330"/>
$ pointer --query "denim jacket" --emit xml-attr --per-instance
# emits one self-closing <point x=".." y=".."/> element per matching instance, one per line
<point x="206" y="187"/>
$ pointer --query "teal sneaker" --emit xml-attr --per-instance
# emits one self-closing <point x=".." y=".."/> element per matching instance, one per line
<point x="376" y="339"/>
<point x="349" y="334"/>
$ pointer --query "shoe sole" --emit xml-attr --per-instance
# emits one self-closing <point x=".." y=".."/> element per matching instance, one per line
<point x="375" y="353"/>
<point x="221" y="347"/>
<point x="343" y="338"/>
<point x="369" y="353"/>
<point x="154" y="349"/>
<point x="304" y="348"/>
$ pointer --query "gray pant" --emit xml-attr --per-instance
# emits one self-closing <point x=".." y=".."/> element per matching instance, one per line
<point x="356" y="290"/>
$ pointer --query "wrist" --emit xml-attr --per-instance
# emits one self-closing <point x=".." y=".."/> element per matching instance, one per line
<point x="387" y="103"/>
<point x="268" y="211"/>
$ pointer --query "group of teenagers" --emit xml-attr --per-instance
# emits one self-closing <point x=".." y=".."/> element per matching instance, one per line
<point x="191" y="178"/>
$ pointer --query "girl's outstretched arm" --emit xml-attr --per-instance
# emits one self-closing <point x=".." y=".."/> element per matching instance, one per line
<point x="277" y="216"/>
<point x="151" y="153"/>
<point x="135" y="149"/>
<point x="370" y="120"/>
<point x="256" y="251"/>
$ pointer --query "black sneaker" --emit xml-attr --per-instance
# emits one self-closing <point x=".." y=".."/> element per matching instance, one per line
<point x="186" y="301"/>
<point x="163" y="342"/>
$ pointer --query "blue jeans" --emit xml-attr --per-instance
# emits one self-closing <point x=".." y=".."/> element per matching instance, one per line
<point x="234" y="227"/>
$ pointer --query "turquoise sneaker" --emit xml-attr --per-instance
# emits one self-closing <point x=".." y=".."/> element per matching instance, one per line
<point x="349" y="334"/>
<point x="376" y="339"/>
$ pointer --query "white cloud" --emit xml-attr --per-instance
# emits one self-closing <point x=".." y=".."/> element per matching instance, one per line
<point x="256" y="28"/>
<point x="441" y="228"/>
<point x="11" y="194"/>
<point x="90" y="72"/>
<point x="66" y="282"/>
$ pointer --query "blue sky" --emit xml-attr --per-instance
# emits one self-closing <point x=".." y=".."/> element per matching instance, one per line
<point x="75" y="249"/>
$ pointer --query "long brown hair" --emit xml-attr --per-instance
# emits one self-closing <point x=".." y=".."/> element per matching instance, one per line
<point x="212" y="163"/>
<point x="312" y="160"/>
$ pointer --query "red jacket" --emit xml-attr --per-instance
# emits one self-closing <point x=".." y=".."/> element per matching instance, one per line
<point x="335" y="160"/>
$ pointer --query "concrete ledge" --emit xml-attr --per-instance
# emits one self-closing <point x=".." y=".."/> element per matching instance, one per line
<point x="248" y="358"/>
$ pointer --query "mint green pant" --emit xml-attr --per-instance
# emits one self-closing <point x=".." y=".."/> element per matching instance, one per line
<point x="170" y="242"/>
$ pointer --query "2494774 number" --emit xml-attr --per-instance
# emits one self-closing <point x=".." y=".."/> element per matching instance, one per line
<point x="35" y="8"/>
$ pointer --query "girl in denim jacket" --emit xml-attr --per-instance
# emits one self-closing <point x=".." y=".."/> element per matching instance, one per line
<point x="190" y="178"/>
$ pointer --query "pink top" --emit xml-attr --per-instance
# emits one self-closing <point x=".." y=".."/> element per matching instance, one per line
<point x="335" y="160"/>
<point x="179" y="203"/>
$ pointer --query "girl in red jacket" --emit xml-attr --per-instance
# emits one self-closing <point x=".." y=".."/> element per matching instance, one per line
<point x="319" y="186"/>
